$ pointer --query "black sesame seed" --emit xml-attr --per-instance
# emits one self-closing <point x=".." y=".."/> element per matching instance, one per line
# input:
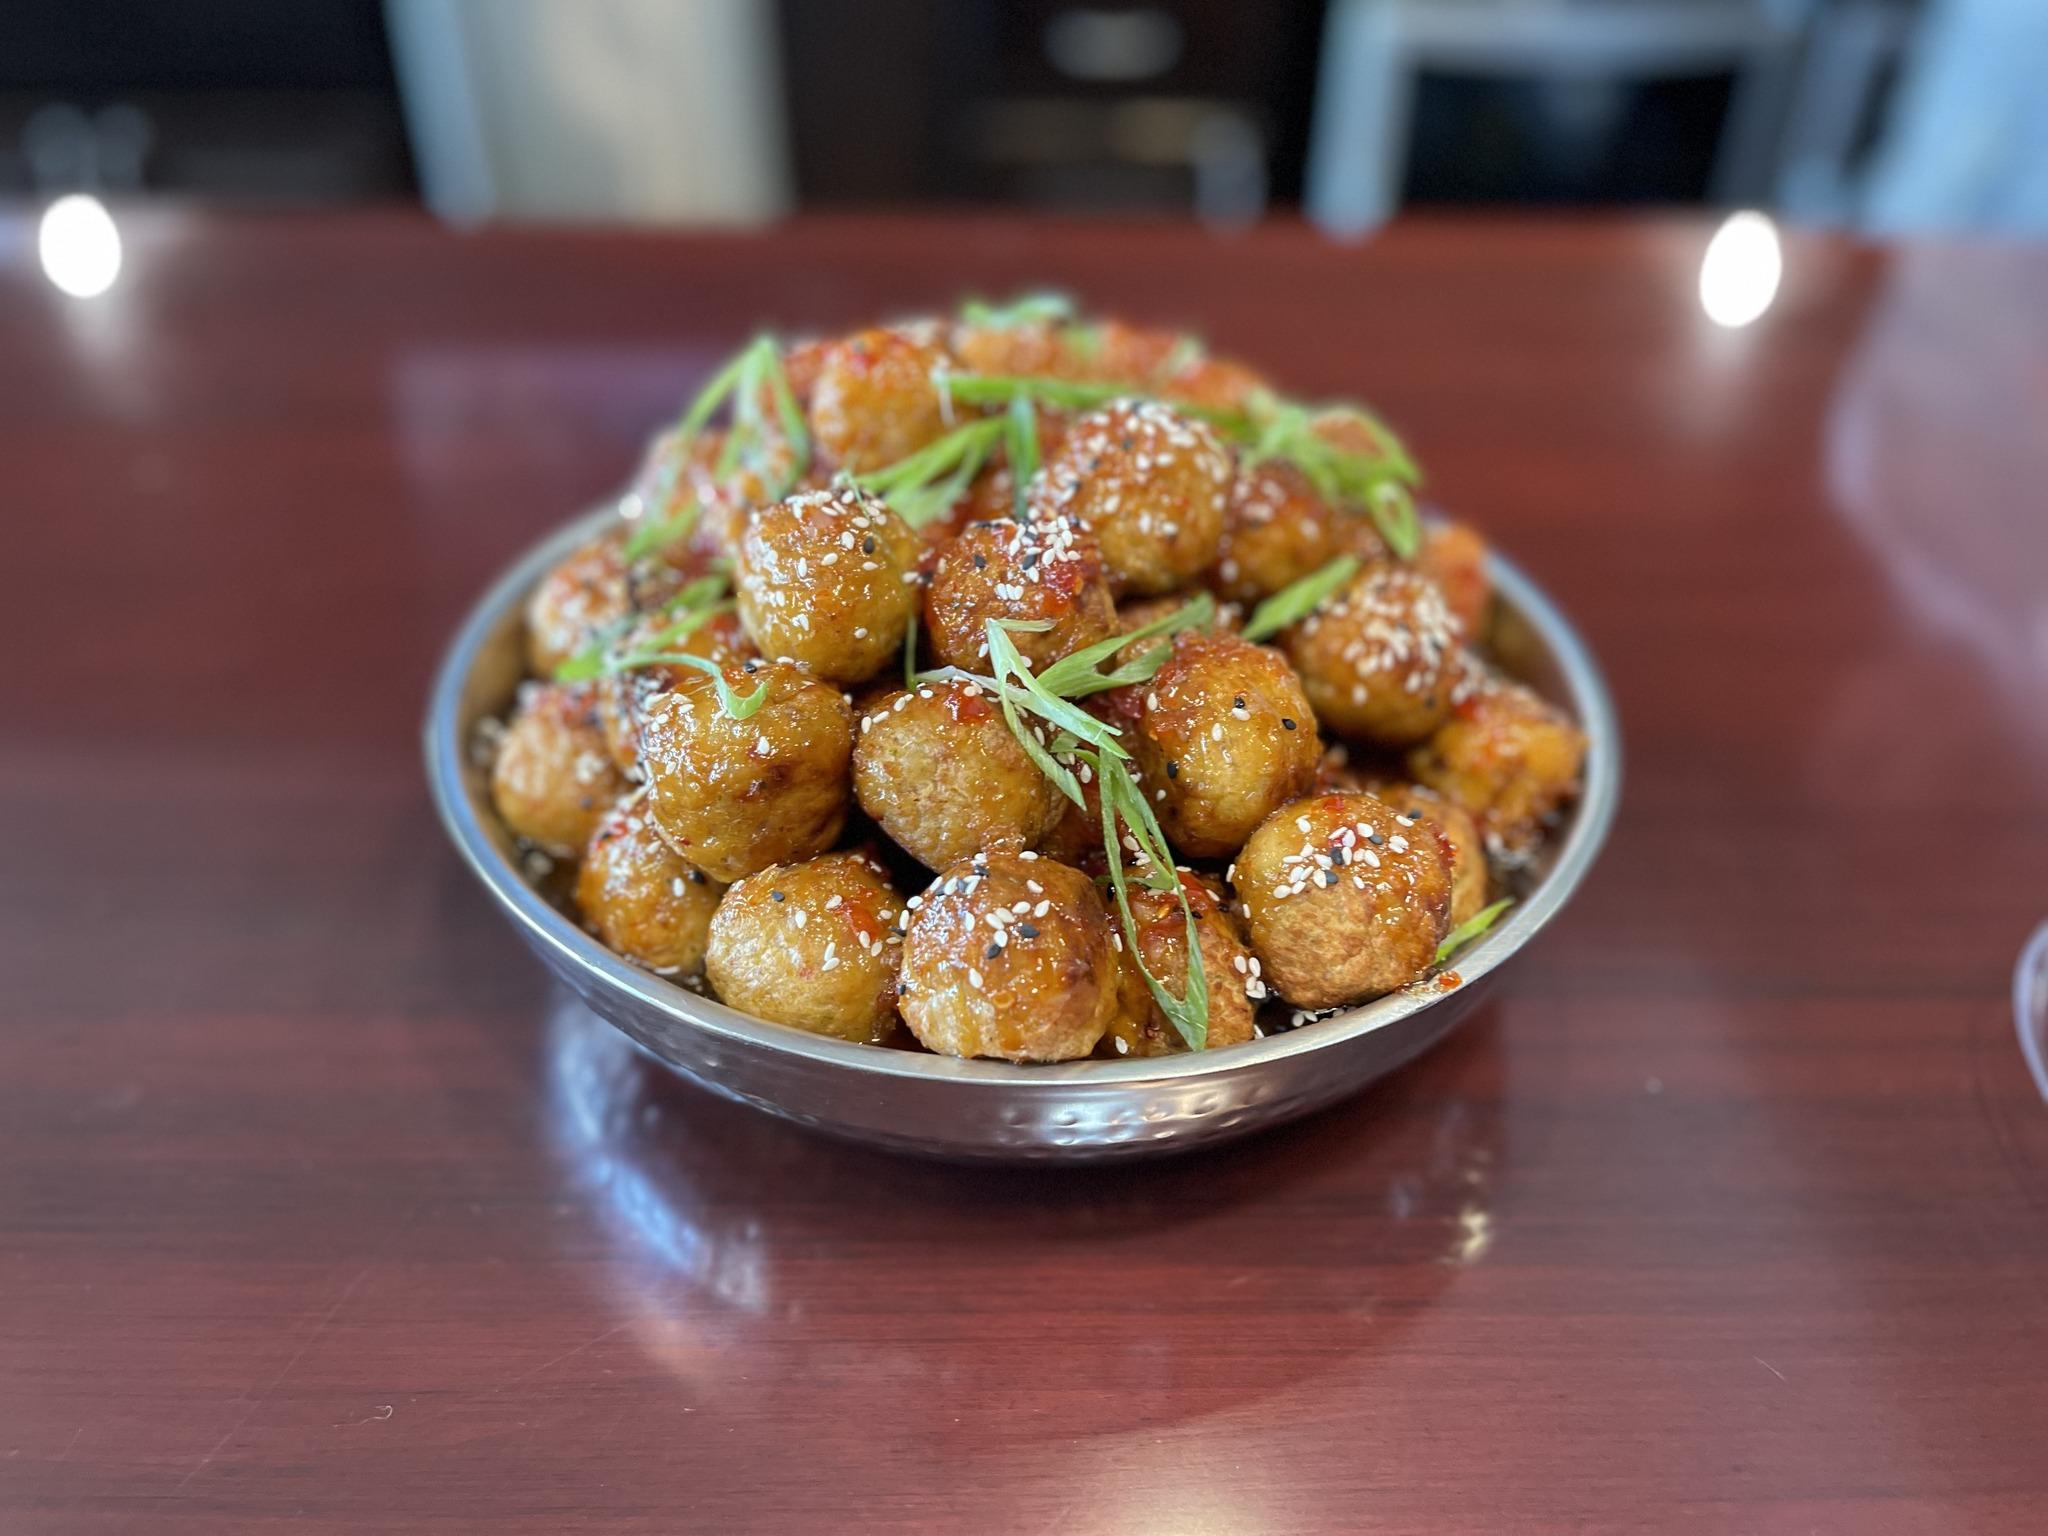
<point x="696" y="877"/>
<point x="1027" y="930"/>
<point x="1374" y="838"/>
<point x="1289" y="724"/>
<point x="867" y="545"/>
<point x="981" y="562"/>
<point x="1173" y="770"/>
<point x="1238" y="702"/>
<point x="777" y="896"/>
<point x="992" y="952"/>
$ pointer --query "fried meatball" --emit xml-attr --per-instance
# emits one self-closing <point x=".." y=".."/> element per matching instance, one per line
<point x="733" y="796"/>
<point x="1453" y="555"/>
<point x="1151" y="483"/>
<point x="1461" y="833"/>
<point x="1025" y="348"/>
<point x="642" y="900"/>
<point x="1224" y="737"/>
<point x="553" y="778"/>
<point x="1378" y="660"/>
<point x="1043" y="569"/>
<point x="1216" y="382"/>
<point x="1141" y="1027"/>
<point x="874" y="402"/>
<point x="811" y="945"/>
<point x="576" y="602"/>
<point x="1010" y="955"/>
<point x="1507" y="758"/>
<point x="622" y="696"/>
<point x="1277" y="530"/>
<point x="1345" y="898"/>
<point x="940" y="771"/>
<point x="827" y="579"/>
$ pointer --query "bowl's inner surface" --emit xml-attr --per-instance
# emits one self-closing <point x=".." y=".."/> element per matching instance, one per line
<point x="1530" y="641"/>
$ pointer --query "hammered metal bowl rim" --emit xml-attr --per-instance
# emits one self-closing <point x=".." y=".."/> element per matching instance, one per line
<point x="445" y="761"/>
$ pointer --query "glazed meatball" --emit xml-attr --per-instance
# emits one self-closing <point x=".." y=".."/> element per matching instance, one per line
<point x="1049" y="569"/>
<point x="1224" y="737"/>
<point x="827" y="579"/>
<point x="1141" y="1027"/>
<point x="1345" y="898"/>
<point x="1378" y="660"/>
<point x="1507" y="758"/>
<point x="940" y="771"/>
<point x="1460" y="832"/>
<point x="576" y="602"/>
<point x="874" y="402"/>
<point x="622" y="697"/>
<point x="1453" y="555"/>
<point x="553" y="779"/>
<point x="1151" y="483"/>
<point x="733" y="796"/>
<point x="1026" y="348"/>
<point x="811" y="945"/>
<point x="1277" y="530"/>
<point x="1010" y="955"/>
<point x="640" y="899"/>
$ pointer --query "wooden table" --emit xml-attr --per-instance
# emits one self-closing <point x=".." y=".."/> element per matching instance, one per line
<point x="318" y="1211"/>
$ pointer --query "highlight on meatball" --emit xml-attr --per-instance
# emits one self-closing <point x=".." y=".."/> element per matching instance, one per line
<point x="1224" y="736"/>
<point x="640" y="898"/>
<point x="828" y="579"/>
<point x="1378" y="661"/>
<point x="939" y="770"/>
<point x="813" y="945"/>
<point x="1141" y="1027"/>
<point x="553" y="778"/>
<point x="1152" y="485"/>
<point x="1506" y="757"/>
<point x="1010" y="956"/>
<point x="734" y="795"/>
<point x="1345" y="898"/>
<point x="873" y="401"/>
<point x="1045" y="571"/>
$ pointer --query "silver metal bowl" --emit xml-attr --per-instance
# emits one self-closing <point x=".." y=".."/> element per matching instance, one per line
<point x="987" y="1109"/>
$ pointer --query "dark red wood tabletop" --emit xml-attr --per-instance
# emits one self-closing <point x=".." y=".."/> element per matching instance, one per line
<point x="319" y="1211"/>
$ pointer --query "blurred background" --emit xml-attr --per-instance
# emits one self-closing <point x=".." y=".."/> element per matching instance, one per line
<point x="1881" y="115"/>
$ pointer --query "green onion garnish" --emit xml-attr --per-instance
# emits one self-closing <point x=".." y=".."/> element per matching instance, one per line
<point x="1471" y="928"/>
<point x="736" y="705"/>
<point x="1044" y="307"/>
<point x="930" y="481"/>
<point x="693" y="604"/>
<point x="1298" y="599"/>
<point x="740" y="382"/>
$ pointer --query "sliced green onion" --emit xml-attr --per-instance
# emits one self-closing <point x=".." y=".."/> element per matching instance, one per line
<point x="1006" y="663"/>
<point x="695" y="603"/>
<point x="932" y="480"/>
<point x="1123" y="801"/>
<point x="1046" y="306"/>
<point x="1020" y="442"/>
<point x="736" y="705"/>
<point x="1075" y="676"/>
<point x="1297" y="600"/>
<point x="1471" y="928"/>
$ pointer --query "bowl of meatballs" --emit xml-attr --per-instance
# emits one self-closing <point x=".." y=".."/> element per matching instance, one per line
<point x="1022" y="735"/>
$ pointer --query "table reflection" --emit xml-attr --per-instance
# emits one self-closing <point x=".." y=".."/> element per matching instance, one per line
<point x="756" y="1259"/>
